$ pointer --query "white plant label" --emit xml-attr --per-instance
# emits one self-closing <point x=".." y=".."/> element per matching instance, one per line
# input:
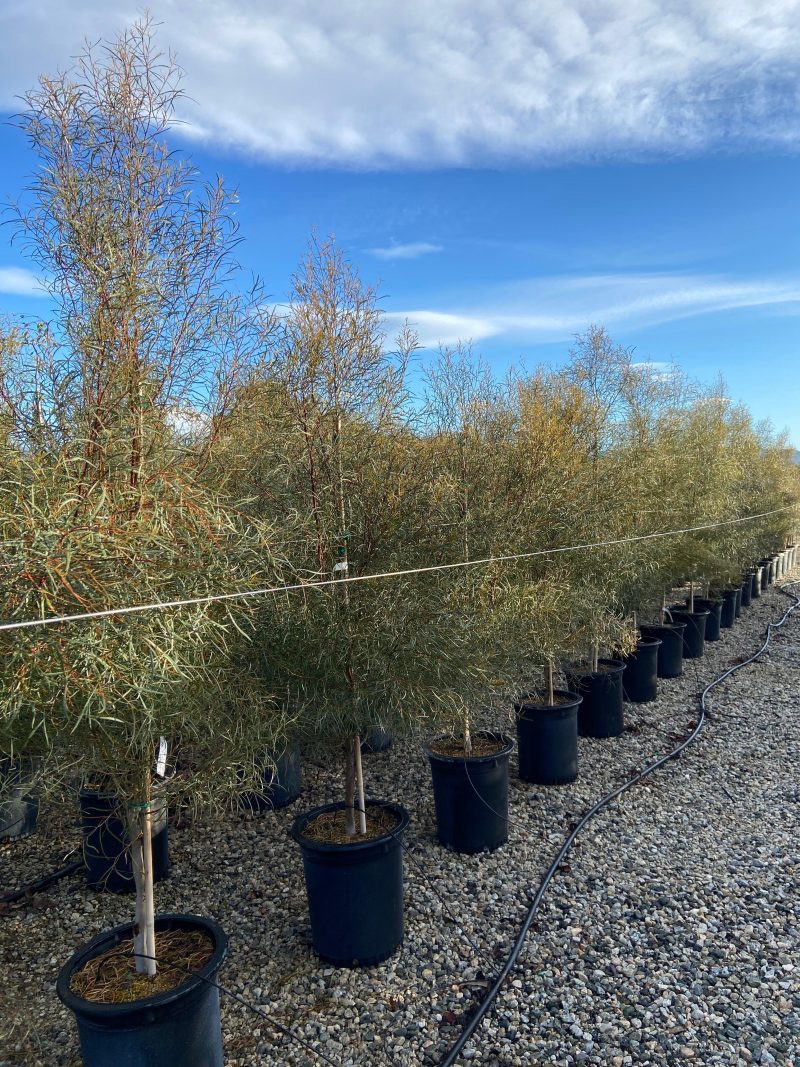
<point x="161" y="762"/>
<point x="339" y="568"/>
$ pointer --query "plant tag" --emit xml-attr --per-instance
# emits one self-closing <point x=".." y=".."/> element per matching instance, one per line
<point x="341" y="567"/>
<point x="161" y="762"/>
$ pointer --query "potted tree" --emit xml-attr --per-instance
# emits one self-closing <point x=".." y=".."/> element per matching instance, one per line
<point x="470" y="448"/>
<point x="321" y="440"/>
<point x="111" y="410"/>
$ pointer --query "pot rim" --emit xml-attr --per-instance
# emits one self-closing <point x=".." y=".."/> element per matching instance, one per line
<point x="616" y="665"/>
<point x="648" y="641"/>
<point x="663" y="626"/>
<point x="302" y="820"/>
<point x="522" y="702"/>
<point x="108" y="938"/>
<point x="495" y="735"/>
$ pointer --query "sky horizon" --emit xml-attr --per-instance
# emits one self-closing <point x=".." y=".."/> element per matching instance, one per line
<point x="510" y="178"/>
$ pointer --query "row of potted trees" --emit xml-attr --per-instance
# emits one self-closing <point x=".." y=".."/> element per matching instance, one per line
<point x="169" y="436"/>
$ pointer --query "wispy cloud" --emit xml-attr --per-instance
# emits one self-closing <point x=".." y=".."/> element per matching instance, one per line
<point x="459" y="82"/>
<point x="555" y="308"/>
<point x="408" y="251"/>
<point x="443" y="328"/>
<point x="16" y="281"/>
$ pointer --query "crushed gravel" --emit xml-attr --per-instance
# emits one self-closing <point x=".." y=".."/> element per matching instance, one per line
<point x="669" y="937"/>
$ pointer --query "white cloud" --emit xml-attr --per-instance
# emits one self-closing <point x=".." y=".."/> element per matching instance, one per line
<point x="440" y="327"/>
<point x="19" y="282"/>
<point x="408" y="251"/>
<point x="555" y="308"/>
<point x="458" y="82"/>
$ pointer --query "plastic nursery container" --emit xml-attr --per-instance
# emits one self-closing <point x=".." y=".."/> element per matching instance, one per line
<point x="727" y="613"/>
<point x="714" y="618"/>
<point x="601" y="713"/>
<point x="470" y="794"/>
<point x="19" y="810"/>
<point x="547" y="738"/>
<point x="106" y="853"/>
<point x="640" y="680"/>
<point x="283" y="784"/>
<point x="377" y="740"/>
<point x="737" y="609"/>
<point x="755" y="588"/>
<point x="178" y="1028"/>
<point x="766" y="574"/>
<point x="694" y="636"/>
<point x="355" y="891"/>
<point x="747" y="590"/>
<point x="670" y="653"/>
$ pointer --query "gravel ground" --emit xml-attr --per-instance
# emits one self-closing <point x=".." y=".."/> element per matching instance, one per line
<point x="669" y="937"/>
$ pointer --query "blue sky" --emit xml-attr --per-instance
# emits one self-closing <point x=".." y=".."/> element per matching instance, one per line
<point x="510" y="172"/>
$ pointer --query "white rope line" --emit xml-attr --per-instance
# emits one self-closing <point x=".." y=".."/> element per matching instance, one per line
<point x="160" y="605"/>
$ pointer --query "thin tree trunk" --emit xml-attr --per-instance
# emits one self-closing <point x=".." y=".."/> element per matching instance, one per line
<point x="548" y="683"/>
<point x="349" y="788"/>
<point x="137" y="864"/>
<point x="142" y="864"/>
<point x="467" y="737"/>
<point x="149" y="905"/>
<point x="362" y="807"/>
<point x="691" y="595"/>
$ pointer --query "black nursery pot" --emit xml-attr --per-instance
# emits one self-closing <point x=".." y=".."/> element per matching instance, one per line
<point x="766" y="574"/>
<point x="694" y="636"/>
<point x="471" y="797"/>
<point x="747" y="590"/>
<point x="547" y="738"/>
<point x="714" y="617"/>
<point x="19" y="810"/>
<point x="640" y="680"/>
<point x="670" y="653"/>
<point x="105" y="845"/>
<point x="179" y="1028"/>
<point x="377" y="740"/>
<point x="745" y="594"/>
<point x="355" y="891"/>
<point x="730" y="601"/>
<point x="756" y="579"/>
<point x="283" y="784"/>
<point x="601" y="713"/>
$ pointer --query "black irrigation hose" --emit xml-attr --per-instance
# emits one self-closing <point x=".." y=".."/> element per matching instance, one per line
<point x="491" y="996"/>
<point x="42" y="883"/>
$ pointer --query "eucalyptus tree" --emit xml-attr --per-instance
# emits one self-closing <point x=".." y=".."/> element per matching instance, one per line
<point x="110" y="411"/>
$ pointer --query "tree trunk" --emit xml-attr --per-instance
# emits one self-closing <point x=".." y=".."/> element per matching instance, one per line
<point x="144" y="941"/>
<point x="362" y="807"/>
<point x="349" y="788"/>
<point x="548" y="683"/>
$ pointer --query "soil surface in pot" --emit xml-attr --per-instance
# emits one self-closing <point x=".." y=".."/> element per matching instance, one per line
<point x="454" y="746"/>
<point x="111" y="977"/>
<point x="330" y="827"/>
<point x="541" y="700"/>
<point x="602" y="668"/>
